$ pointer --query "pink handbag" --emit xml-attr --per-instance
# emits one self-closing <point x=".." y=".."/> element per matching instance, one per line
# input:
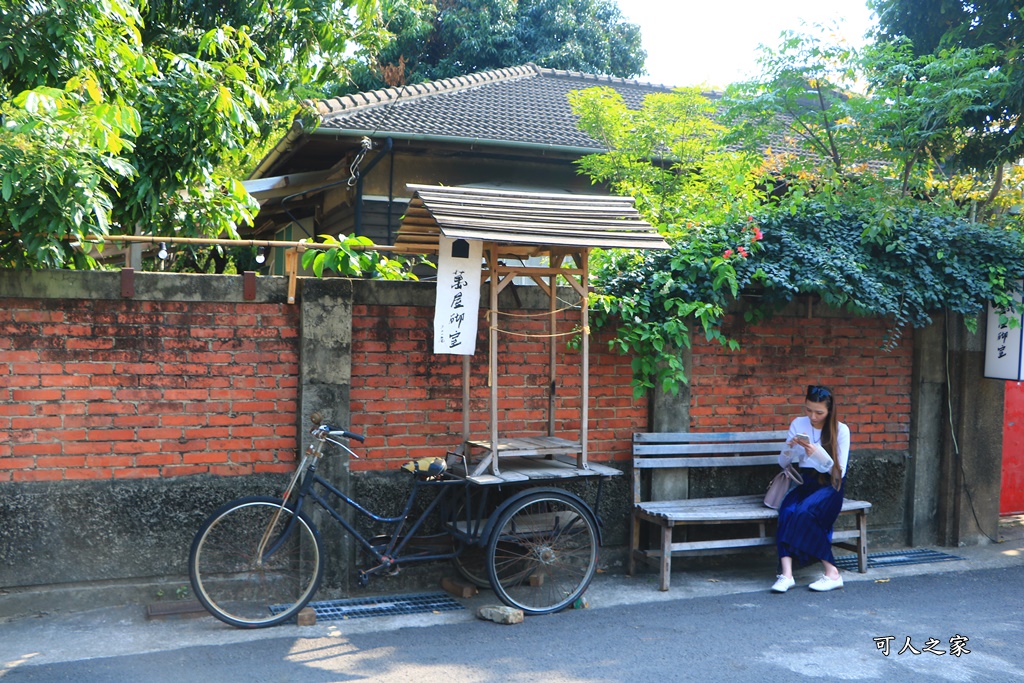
<point x="780" y="486"/>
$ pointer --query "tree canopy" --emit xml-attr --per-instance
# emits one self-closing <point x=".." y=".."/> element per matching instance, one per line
<point x="995" y="28"/>
<point x="127" y="116"/>
<point x="449" y="38"/>
<point x="306" y="44"/>
<point x="102" y="131"/>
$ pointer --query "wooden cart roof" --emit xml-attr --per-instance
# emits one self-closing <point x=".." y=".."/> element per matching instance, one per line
<point x="524" y="222"/>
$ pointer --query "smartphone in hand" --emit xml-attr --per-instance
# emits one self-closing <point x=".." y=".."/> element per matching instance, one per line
<point x="802" y="439"/>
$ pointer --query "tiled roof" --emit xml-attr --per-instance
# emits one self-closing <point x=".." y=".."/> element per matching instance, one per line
<point x="520" y="105"/>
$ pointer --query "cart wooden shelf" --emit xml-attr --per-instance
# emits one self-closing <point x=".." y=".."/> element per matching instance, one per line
<point x="536" y="470"/>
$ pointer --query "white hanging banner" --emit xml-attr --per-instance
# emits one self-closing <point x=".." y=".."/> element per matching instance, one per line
<point x="1004" y="355"/>
<point x="459" y="265"/>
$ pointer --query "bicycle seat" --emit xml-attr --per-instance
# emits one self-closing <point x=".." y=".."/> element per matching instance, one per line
<point x="426" y="468"/>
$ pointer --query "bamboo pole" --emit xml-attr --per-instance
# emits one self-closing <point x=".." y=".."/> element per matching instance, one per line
<point x="465" y="406"/>
<point x="493" y="354"/>
<point x="552" y="357"/>
<point x="585" y="350"/>
<point x="211" y="241"/>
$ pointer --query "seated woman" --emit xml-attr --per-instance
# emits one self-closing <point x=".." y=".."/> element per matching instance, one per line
<point x="820" y="445"/>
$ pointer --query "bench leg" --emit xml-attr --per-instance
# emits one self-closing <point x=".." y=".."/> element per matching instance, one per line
<point x="862" y="542"/>
<point x="666" y="557"/>
<point x="634" y="544"/>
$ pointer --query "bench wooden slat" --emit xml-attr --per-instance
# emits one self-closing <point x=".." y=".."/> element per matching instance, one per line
<point x="727" y="461"/>
<point x="751" y="502"/>
<point x="708" y="448"/>
<point x="727" y="510"/>
<point x="708" y="437"/>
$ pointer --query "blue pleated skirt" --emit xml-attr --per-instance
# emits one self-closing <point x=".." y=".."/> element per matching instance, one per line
<point x="806" y="518"/>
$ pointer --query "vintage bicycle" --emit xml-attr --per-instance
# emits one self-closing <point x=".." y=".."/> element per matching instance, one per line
<point x="257" y="561"/>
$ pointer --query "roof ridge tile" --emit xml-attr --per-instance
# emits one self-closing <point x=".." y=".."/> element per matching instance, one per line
<point x="348" y="103"/>
<point x="563" y="73"/>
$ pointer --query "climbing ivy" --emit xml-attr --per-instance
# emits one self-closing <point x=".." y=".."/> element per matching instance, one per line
<point x="928" y="262"/>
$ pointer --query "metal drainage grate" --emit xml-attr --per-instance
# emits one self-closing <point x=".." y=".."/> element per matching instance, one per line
<point x="392" y="605"/>
<point x="896" y="557"/>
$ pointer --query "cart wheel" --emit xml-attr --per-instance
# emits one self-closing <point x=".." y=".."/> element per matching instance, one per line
<point x="542" y="554"/>
<point x="471" y="563"/>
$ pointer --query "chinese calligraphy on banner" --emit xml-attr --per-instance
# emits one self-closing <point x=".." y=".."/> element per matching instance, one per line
<point x="1003" y="352"/>
<point x="458" y="296"/>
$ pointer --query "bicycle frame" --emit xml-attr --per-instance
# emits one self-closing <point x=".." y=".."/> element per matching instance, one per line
<point x="302" y="486"/>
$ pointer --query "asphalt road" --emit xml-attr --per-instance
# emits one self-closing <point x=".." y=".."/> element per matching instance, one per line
<point x="753" y="636"/>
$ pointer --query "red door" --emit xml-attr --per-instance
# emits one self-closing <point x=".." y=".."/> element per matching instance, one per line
<point x="1011" y="498"/>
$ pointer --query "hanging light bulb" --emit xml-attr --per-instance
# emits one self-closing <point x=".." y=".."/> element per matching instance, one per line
<point x="162" y="254"/>
<point x="261" y="255"/>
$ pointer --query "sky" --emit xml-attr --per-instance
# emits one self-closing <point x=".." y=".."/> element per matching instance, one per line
<point x="714" y="42"/>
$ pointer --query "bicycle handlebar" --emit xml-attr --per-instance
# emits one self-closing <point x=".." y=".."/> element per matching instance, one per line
<point x="352" y="435"/>
<point x="317" y="420"/>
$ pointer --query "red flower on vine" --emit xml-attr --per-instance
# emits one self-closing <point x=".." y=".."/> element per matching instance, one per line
<point x="758" y="235"/>
<point x="742" y="251"/>
<point x="727" y="254"/>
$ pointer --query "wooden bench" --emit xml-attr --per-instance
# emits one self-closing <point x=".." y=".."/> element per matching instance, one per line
<point x="683" y="450"/>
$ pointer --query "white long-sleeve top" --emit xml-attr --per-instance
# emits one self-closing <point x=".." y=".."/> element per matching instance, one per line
<point x="821" y="460"/>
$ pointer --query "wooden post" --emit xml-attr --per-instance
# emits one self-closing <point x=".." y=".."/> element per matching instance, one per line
<point x="465" y="406"/>
<point x="291" y="267"/>
<point x="585" y="350"/>
<point x="552" y="373"/>
<point x="492" y="316"/>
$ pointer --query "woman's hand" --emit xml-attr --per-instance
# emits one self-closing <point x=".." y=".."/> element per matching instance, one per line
<point x="806" y="445"/>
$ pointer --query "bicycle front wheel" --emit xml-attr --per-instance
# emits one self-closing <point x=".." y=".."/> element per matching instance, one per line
<point x="255" y="563"/>
<point x="542" y="554"/>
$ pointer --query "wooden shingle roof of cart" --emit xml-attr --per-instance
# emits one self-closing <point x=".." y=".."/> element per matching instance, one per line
<point x="523" y="223"/>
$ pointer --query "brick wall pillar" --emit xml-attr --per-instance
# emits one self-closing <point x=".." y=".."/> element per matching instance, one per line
<point x="325" y="378"/>
<point x="671" y="413"/>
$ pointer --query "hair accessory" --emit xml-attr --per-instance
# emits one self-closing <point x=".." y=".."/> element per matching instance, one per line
<point x="818" y="394"/>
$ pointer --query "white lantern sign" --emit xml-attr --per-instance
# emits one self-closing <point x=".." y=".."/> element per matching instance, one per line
<point x="1003" y="350"/>
<point x="457" y="307"/>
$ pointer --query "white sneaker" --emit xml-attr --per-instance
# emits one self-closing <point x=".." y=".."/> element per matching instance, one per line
<point x="782" y="584"/>
<point x="826" y="584"/>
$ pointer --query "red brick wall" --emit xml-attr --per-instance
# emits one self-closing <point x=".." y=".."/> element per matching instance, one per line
<point x="762" y="385"/>
<point x="408" y="401"/>
<point x="107" y="389"/>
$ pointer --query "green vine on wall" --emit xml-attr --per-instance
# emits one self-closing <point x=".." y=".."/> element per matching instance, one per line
<point x="926" y="263"/>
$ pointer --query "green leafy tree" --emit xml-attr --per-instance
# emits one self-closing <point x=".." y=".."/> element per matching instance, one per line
<point x="816" y="189"/>
<point x="935" y="27"/>
<point x="60" y="162"/>
<point x="809" y="97"/>
<point x="901" y="140"/>
<point x="125" y="144"/>
<point x="48" y="43"/>
<point x="305" y="43"/>
<point x="105" y="133"/>
<point x="449" y="38"/>
<point x="669" y="156"/>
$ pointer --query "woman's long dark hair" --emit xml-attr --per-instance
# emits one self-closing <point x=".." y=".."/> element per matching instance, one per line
<point x="830" y="431"/>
